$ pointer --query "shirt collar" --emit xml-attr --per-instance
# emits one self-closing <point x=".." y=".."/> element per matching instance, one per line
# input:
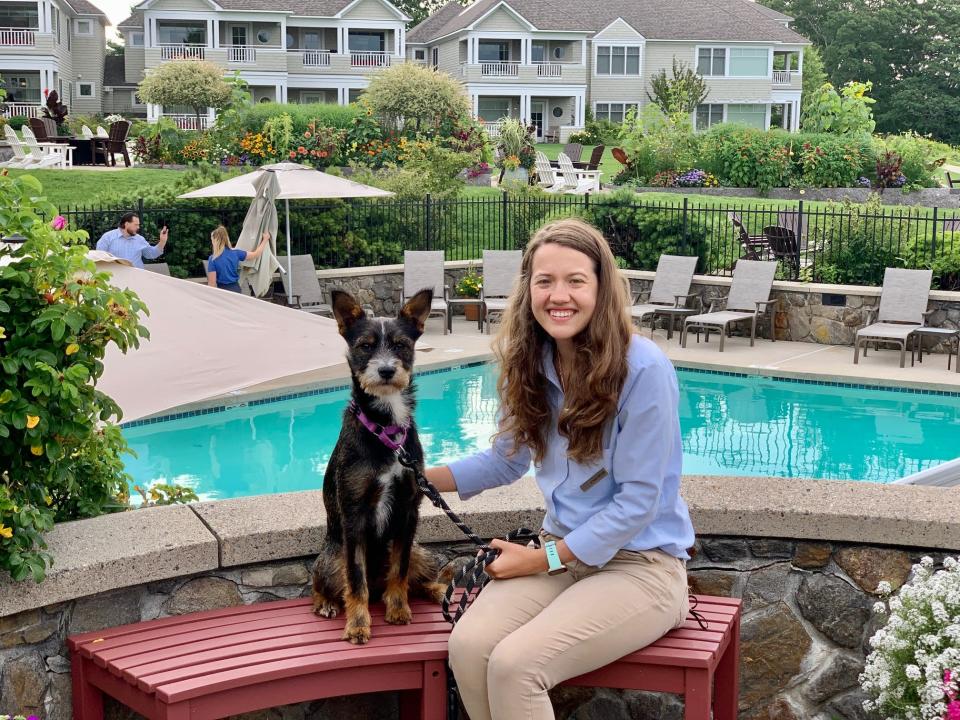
<point x="549" y="367"/>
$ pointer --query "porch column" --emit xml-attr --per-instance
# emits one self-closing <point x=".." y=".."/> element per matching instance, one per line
<point x="475" y="99"/>
<point x="579" y="109"/>
<point x="153" y="112"/>
<point x="343" y="96"/>
<point x="800" y="61"/>
<point x="210" y="41"/>
<point x="278" y="93"/>
<point x="48" y="16"/>
<point x="583" y="52"/>
<point x="396" y="41"/>
<point x="344" y="41"/>
<point x="402" y="44"/>
<point x="283" y="33"/>
<point x="525" y="108"/>
<point x="474" y="45"/>
<point x="796" y="116"/>
<point x="211" y="116"/>
<point x="41" y="16"/>
<point x="524" y="56"/>
<point x="151" y="39"/>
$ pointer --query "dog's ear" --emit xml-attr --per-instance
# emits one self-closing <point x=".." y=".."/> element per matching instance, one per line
<point x="345" y="310"/>
<point x="417" y="309"/>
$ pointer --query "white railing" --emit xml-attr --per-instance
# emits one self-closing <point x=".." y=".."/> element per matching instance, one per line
<point x="28" y="110"/>
<point x="19" y="37"/>
<point x="369" y="59"/>
<point x="782" y="77"/>
<point x="314" y="58"/>
<point x="553" y="70"/>
<point x="189" y="122"/>
<point x="178" y="51"/>
<point x="500" y="69"/>
<point x="492" y="128"/>
<point x="245" y="54"/>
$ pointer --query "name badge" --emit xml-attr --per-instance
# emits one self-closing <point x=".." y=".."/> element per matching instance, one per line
<point x="593" y="479"/>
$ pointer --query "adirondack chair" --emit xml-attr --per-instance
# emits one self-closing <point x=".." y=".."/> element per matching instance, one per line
<point x="500" y="271"/>
<point x="424" y="269"/>
<point x="755" y="247"/>
<point x="116" y="142"/>
<point x="578" y="182"/>
<point x="595" y="157"/>
<point x="86" y="133"/>
<point x="784" y="246"/>
<point x="903" y="309"/>
<point x="670" y="290"/>
<point x="749" y="297"/>
<point x="20" y="157"/>
<point x="572" y="151"/>
<point x="302" y="280"/>
<point x="44" y="155"/>
<point x="548" y="179"/>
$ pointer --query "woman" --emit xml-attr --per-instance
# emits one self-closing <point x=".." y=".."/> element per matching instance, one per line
<point x="223" y="266"/>
<point x="594" y="407"/>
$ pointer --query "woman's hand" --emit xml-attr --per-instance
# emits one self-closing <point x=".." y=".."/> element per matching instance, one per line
<point x="265" y="236"/>
<point x="516" y="561"/>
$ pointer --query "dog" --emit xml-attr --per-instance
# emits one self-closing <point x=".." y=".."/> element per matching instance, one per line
<point x="371" y="500"/>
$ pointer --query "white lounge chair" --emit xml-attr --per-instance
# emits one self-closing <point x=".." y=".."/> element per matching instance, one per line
<point x="749" y="297"/>
<point x="50" y="154"/>
<point x="424" y="269"/>
<point x="500" y="271"/>
<point x="903" y="308"/>
<point x="86" y="132"/>
<point x="670" y="290"/>
<point x="102" y="132"/>
<point x="24" y="155"/>
<point x="578" y="182"/>
<point x="548" y="179"/>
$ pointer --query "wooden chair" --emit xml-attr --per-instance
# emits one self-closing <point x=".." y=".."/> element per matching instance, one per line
<point x="953" y="182"/>
<point x="116" y="142"/>
<point x="784" y="246"/>
<point x="595" y="157"/>
<point x="573" y="151"/>
<point x="755" y="247"/>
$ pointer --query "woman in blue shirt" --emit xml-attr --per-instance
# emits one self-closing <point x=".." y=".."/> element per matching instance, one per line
<point x="223" y="266"/>
<point x="594" y="407"/>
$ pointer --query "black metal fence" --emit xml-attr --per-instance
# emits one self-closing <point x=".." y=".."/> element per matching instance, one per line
<point x="848" y="244"/>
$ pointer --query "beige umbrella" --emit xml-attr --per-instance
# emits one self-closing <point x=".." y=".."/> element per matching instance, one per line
<point x="261" y="217"/>
<point x="296" y="182"/>
<point x="231" y="341"/>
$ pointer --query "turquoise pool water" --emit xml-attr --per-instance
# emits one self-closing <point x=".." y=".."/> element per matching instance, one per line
<point x="731" y="425"/>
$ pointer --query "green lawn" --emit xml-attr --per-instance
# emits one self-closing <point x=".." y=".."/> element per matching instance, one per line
<point x="608" y="166"/>
<point x="94" y="187"/>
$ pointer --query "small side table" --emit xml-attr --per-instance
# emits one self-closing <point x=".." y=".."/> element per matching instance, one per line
<point x="948" y="334"/>
<point x="463" y="301"/>
<point x="673" y="313"/>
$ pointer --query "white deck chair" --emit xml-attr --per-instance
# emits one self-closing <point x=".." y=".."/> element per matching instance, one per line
<point x="14" y="142"/>
<point x="670" y="289"/>
<point x="86" y="132"/>
<point x="49" y="154"/>
<point x="903" y="308"/>
<point x="307" y="292"/>
<point x="578" y="182"/>
<point x="749" y="297"/>
<point x="548" y="179"/>
<point x="28" y="157"/>
<point x="102" y="132"/>
<point x="424" y="269"/>
<point x="500" y="271"/>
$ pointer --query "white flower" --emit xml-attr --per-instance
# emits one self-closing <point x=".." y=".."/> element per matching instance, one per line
<point x="913" y="672"/>
<point x="879" y="608"/>
<point x="884" y="588"/>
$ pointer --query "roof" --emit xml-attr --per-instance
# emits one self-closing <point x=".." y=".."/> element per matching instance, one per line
<point x="725" y="20"/>
<point x="113" y="74"/>
<point x="306" y="8"/>
<point x="134" y="21"/>
<point x="426" y="30"/>
<point x="82" y="7"/>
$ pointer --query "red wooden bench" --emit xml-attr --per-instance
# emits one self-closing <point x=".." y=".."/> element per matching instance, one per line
<point x="225" y="662"/>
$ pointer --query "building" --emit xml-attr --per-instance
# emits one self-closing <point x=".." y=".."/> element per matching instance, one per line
<point x="547" y="62"/>
<point x="52" y="45"/>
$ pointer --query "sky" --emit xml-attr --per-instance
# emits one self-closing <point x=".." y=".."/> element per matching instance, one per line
<point x="116" y="10"/>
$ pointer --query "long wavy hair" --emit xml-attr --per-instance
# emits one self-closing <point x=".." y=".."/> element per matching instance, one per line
<point x="601" y="347"/>
<point x="220" y="240"/>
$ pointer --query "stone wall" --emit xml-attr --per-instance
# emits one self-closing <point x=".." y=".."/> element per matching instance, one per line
<point x="806" y="623"/>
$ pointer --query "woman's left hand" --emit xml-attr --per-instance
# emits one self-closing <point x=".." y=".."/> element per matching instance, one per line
<point x="515" y="561"/>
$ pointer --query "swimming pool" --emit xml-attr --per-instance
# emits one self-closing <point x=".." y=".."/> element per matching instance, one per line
<point x="731" y="425"/>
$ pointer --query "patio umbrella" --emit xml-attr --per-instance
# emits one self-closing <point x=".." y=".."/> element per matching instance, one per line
<point x="261" y="217"/>
<point x="296" y="182"/>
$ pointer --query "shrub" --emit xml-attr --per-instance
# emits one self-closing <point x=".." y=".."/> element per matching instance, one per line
<point x="319" y="146"/>
<point x="653" y="142"/>
<point x="829" y="161"/>
<point x="18" y="121"/>
<point x="944" y="260"/>
<point x="278" y="131"/>
<point x="746" y="157"/>
<point x="597" y="132"/>
<point x="844" y="113"/>
<point x="415" y="98"/>
<point x="920" y="157"/>
<point x="516" y="141"/>
<point x="197" y="84"/>
<point x="59" y="450"/>
<point x="252" y="117"/>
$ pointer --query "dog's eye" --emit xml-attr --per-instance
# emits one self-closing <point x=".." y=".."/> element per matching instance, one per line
<point x="398" y="346"/>
<point x="366" y="346"/>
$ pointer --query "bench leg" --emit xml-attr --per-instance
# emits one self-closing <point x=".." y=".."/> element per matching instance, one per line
<point x="727" y="678"/>
<point x="696" y="695"/>
<point x="430" y="703"/>
<point x="87" y="700"/>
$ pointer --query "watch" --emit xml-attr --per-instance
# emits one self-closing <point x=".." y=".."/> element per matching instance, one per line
<point x="555" y="567"/>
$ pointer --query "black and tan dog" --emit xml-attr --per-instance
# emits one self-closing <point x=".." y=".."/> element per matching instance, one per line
<point x="372" y="501"/>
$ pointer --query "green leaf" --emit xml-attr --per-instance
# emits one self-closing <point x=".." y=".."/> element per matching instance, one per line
<point x="58" y="329"/>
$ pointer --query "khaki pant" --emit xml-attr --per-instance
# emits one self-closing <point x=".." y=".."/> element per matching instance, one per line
<point x="525" y="635"/>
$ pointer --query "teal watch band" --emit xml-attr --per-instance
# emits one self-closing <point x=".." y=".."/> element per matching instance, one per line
<point x="554" y="566"/>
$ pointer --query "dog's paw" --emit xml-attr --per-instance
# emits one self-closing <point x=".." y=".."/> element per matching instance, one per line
<point x="434" y="591"/>
<point x="357" y="635"/>
<point x="399" y="615"/>
<point x="326" y="609"/>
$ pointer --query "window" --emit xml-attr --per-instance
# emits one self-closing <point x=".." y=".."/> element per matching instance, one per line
<point x="55" y="21"/>
<point x="238" y="35"/>
<point x="559" y="52"/>
<point x="182" y="34"/>
<point x="19" y="16"/>
<point x="263" y="37"/>
<point x="83" y="27"/>
<point x="538" y="52"/>
<point x="712" y="62"/>
<point x="749" y="62"/>
<point x="365" y="41"/>
<point x="311" y="41"/>
<point x="708" y="115"/>
<point x="614" y="112"/>
<point x="752" y="115"/>
<point x="22" y="87"/>
<point x="135" y="98"/>
<point x="354" y="94"/>
<point x="136" y="39"/>
<point x="85" y="90"/>
<point x="488" y="52"/>
<point x="492" y="109"/>
<point x="436" y="58"/>
<point x="420" y="54"/>
<point x="618" y="60"/>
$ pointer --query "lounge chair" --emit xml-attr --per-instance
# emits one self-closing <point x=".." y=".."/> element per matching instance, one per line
<point x="749" y="297"/>
<point x="29" y="152"/>
<point x="903" y="308"/>
<point x="307" y="293"/>
<point x="500" y="271"/>
<point x="578" y="182"/>
<point x="594" y="162"/>
<point x="670" y="289"/>
<point x="161" y="268"/>
<point x="62" y="154"/>
<point x="548" y="179"/>
<point x="424" y="269"/>
<point x="86" y="133"/>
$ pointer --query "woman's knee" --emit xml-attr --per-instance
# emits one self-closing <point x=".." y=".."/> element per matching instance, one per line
<point x="511" y="664"/>
<point x="469" y="643"/>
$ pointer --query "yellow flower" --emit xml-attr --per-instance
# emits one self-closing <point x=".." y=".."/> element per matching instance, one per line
<point x="2" y="333"/>
<point x="47" y="499"/>
<point x="37" y="450"/>
<point x="5" y="531"/>
<point x="32" y="421"/>
<point x="72" y="348"/>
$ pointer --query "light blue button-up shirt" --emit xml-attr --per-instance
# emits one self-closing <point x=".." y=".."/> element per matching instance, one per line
<point x="128" y="247"/>
<point x="636" y="504"/>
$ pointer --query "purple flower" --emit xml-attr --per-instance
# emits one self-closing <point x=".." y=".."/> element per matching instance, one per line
<point x="863" y="182"/>
<point x="58" y="223"/>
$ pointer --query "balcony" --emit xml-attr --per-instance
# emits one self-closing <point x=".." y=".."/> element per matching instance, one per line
<point x="18" y="37"/>
<point x="783" y="77"/>
<point x="241" y="54"/>
<point x="369" y="59"/>
<point x="500" y="69"/>
<point x="308" y="59"/>
<point x="182" y="51"/>
<point x="27" y="110"/>
<point x="549" y="70"/>
<point x="189" y="122"/>
<point x="540" y="72"/>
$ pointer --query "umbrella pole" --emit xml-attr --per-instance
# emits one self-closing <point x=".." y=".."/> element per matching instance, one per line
<point x="289" y="259"/>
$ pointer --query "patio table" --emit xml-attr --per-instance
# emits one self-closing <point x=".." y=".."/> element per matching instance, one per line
<point x="948" y="334"/>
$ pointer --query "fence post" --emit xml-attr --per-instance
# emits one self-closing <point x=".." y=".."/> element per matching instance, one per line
<point x="799" y="238"/>
<point x="140" y="208"/>
<point x="504" y="225"/>
<point x="427" y="220"/>
<point x="933" y="240"/>
<point x="686" y="234"/>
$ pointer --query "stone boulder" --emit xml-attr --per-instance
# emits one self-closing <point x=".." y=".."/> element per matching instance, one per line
<point x="835" y="608"/>
<point x="773" y="644"/>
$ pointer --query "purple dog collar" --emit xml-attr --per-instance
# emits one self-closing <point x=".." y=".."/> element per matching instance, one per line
<point x="392" y="436"/>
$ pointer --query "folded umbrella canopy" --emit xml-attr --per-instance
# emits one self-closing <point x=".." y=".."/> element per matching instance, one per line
<point x="295" y="182"/>
<point x="205" y="342"/>
<point x="261" y="217"/>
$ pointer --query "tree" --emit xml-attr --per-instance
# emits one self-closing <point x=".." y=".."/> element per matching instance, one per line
<point x="412" y="97"/>
<point x="198" y="84"/>
<point x="420" y="10"/>
<point x="907" y="48"/>
<point x="680" y="93"/>
<point x="115" y="48"/>
<point x="814" y="76"/>
<point x="844" y="113"/>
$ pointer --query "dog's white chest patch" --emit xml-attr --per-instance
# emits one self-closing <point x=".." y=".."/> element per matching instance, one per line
<point x="381" y="513"/>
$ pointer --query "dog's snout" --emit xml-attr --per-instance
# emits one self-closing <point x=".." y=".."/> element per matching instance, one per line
<point x="386" y="371"/>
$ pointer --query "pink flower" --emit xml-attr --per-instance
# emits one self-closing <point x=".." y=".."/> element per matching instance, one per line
<point x="953" y="710"/>
<point x="58" y="223"/>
